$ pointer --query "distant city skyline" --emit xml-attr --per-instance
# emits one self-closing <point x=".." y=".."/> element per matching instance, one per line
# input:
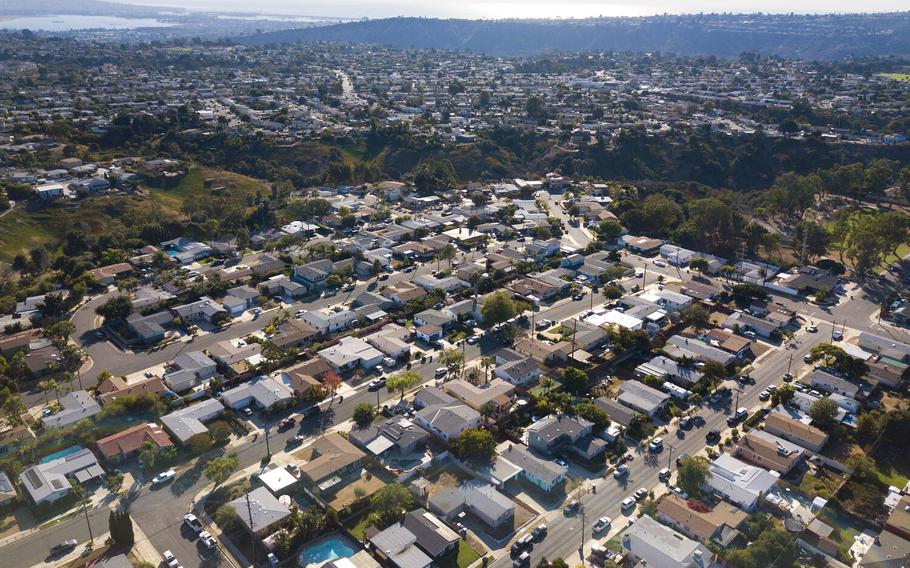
<point x="498" y="9"/>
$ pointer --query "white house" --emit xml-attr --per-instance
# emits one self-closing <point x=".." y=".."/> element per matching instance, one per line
<point x="659" y="546"/>
<point x="329" y="322"/>
<point x="738" y="481"/>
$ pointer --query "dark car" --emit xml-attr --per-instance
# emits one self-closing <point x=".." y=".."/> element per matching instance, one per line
<point x="712" y="436"/>
<point x="286" y="423"/>
<point x="64" y="546"/>
<point x="681" y="458"/>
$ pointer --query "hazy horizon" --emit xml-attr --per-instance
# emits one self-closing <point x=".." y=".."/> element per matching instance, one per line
<point x="517" y="8"/>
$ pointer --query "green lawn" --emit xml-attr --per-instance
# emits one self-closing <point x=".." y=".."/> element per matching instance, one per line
<point x="844" y="533"/>
<point x="21" y="231"/>
<point x="896" y="76"/>
<point x="361" y="524"/>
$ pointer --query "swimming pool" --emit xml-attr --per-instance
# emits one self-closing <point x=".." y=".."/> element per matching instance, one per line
<point x="332" y="547"/>
<point x="61" y="454"/>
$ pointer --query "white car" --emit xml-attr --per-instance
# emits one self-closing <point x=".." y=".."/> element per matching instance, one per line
<point x="812" y="328"/>
<point x="441" y="371"/>
<point x="656" y="445"/>
<point x="600" y="524"/>
<point x="628" y="503"/>
<point x="660" y="263"/>
<point x="208" y="540"/>
<point x="193" y="522"/>
<point x="170" y="559"/>
<point x="621" y="471"/>
<point x="388" y="362"/>
<point x="164" y="477"/>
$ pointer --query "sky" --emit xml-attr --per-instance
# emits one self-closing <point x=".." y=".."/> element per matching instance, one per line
<point x="522" y="8"/>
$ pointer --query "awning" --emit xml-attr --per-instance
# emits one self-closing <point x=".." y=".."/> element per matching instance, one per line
<point x="379" y="445"/>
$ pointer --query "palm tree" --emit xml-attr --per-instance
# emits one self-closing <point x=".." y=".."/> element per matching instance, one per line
<point x="547" y="383"/>
<point x="487" y="363"/>
<point x="47" y="386"/>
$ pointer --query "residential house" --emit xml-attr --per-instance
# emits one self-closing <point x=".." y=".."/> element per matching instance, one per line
<point x="544" y="474"/>
<point x="327" y="322"/>
<point x="149" y="329"/>
<point x="478" y="498"/>
<point x="652" y="544"/>
<point x="832" y="383"/>
<point x="239" y="299"/>
<point x="433" y="317"/>
<point x="50" y="481"/>
<point x="795" y="431"/>
<point x="667" y="369"/>
<point x="236" y="354"/>
<point x="398" y="434"/>
<point x="718" y="525"/>
<point x="521" y="372"/>
<point x="617" y="411"/>
<point x="204" y="309"/>
<point x="642" y="398"/>
<point x="553" y="434"/>
<point x="744" y="322"/>
<point x="7" y="490"/>
<point x="641" y="245"/>
<point x="293" y="332"/>
<point x="74" y="406"/>
<point x="189" y="369"/>
<point x="260" y="512"/>
<point x="112" y="388"/>
<point x="739" y="482"/>
<point x="447" y="420"/>
<point x="392" y="340"/>
<point x="350" y="352"/>
<point x="739" y="347"/>
<point x="404" y="292"/>
<point x="397" y="546"/>
<point x="262" y="392"/>
<point x="433" y="536"/>
<point x="123" y="445"/>
<point x="187" y="422"/>
<point x="680" y="347"/>
<point x="497" y="391"/>
<point x="770" y="452"/>
<point x="333" y="457"/>
<point x="106" y="275"/>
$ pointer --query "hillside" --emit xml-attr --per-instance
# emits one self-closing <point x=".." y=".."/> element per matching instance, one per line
<point x="803" y="36"/>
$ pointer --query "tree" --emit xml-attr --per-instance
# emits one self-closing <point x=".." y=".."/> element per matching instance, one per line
<point x="488" y="410"/>
<point x="220" y="431"/>
<point x="450" y="358"/>
<point x="121" y="528"/>
<point x="612" y="292"/>
<point x="487" y="363"/>
<point x="116" y="308"/>
<point x="783" y="395"/>
<point x="199" y="443"/>
<point x="536" y="107"/>
<point x="389" y="504"/>
<point x="693" y="473"/>
<point x="593" y="413"/>
<point x="699" y="264"/>
<point x="219" y="469"/>
<point x="475" y="445"/>
<point x="823" y="412"/>
<point x="836" y="358"/>
<point x="498" y="307"/>
<point x="697" y="316"/>
<point x="403" y="382"/>
<point x="331" y="381"/>
<point x="363" y="414"/>
<point x="574" y="380"/>
<point x="226" y="517"/>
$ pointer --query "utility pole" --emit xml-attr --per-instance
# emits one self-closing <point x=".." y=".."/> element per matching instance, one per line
<point x="268" y="450"/>
<point x="91" y="537"/>
<point x="789" y="363"/>
<point x="249" y="511"/>
<point x="574" y="330"/>
<point x="669" y="454"/>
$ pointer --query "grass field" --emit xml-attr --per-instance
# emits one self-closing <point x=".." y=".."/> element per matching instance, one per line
<point x="896" y="76"/>
<point x="21" y="231"/>
<point x="193" y="185"/>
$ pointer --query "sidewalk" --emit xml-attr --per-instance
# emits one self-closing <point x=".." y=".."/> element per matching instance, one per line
<point x="143" y="548"/>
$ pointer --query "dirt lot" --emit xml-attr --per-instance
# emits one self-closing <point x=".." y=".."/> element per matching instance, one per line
<point x="348" y="494"/>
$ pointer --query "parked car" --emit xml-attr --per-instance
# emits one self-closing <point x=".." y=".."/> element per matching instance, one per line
<point x="473" y="339"/>
<point x="377" y="384"/>
<point x="441" y="372"/>
<point x="812" y="328"/>
<point x="164" y="477"/>
<point x="664" y="474"/>
<point x="600" y="524"/>
<point x="64" y="546"/>
<point x="807" y="358"/>
<point x="543" y="324"/>
<point x="388" y="362"/>
<point x="712" y="437"/>
<point x="656" y="445"/>
<point x="286" y="423"/>
<point x="764" y="395"/>
<point x="170" y="559"/>
<point x="628" y="503"/>
<point x="539" y="532"/>
<point x="208" y="540"/>
<point x="683" y="457"/>
<point x="685" y="422"/>
<point x="523" y="560"/>
<point x="621" y="471"/>
<point x="562" y="462"/>
<point x="192" y="521"/>
<point x="572" y="506"/>
<point x="247" y="411"/>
